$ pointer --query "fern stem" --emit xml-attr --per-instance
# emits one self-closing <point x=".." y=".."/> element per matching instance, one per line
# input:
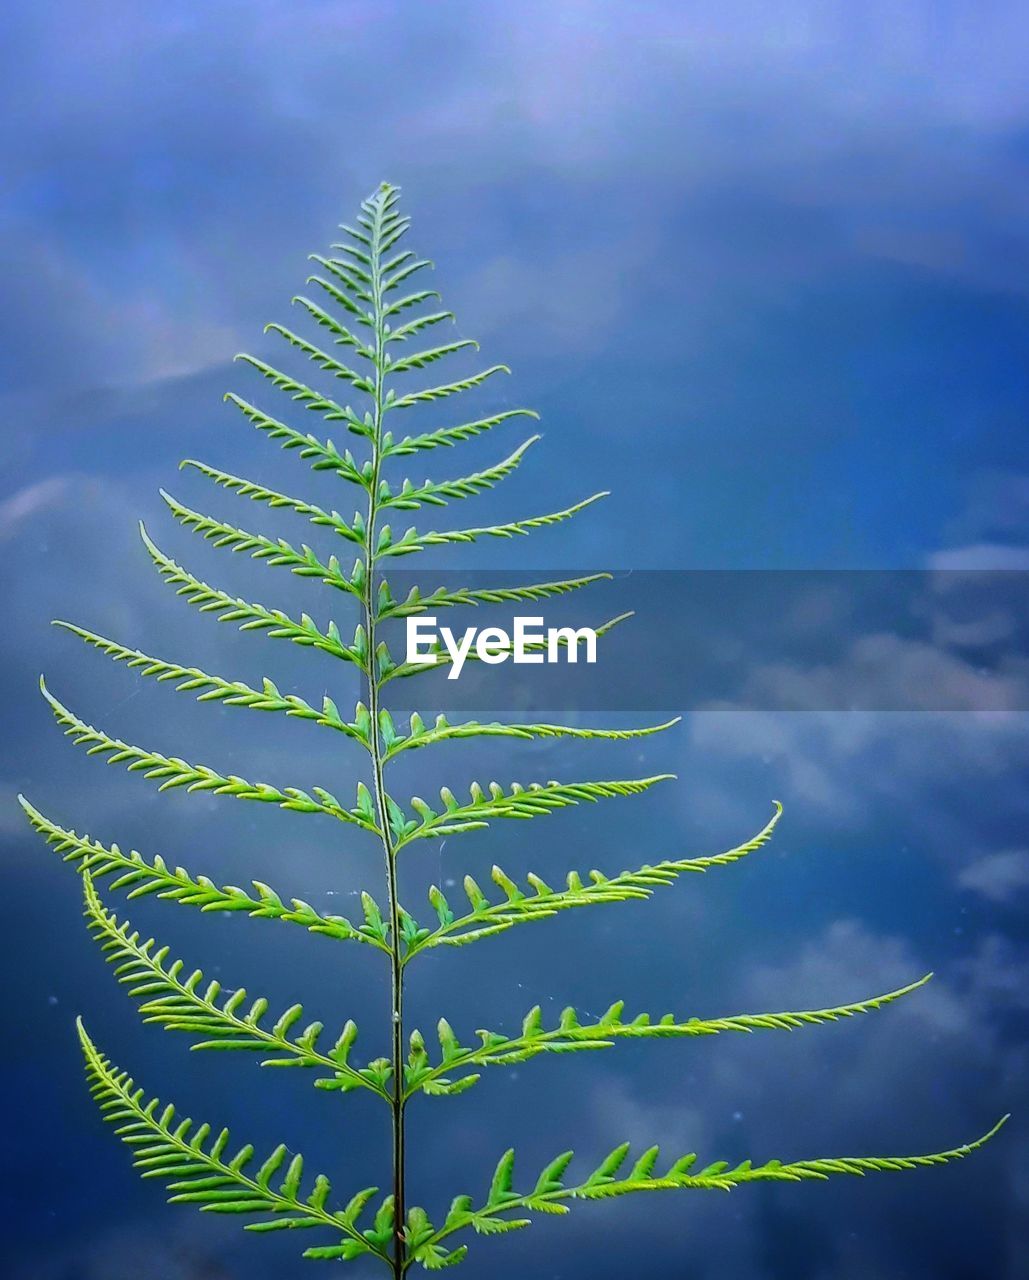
<point x="370" y="609"/>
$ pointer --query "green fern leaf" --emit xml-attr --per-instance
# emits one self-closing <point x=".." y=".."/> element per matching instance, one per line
<point x="364" y="309"/>
<point x="353" y="290"/>
<point x="251" y="617"/>
<point x="307" y="396"/>
<point x="447" y="437"/>
<point x="410" y="497"/>
<point x="170" y="771"/>
<point x="443" y="731"/>
<point x="322" y="359"/>
<point x="405" y="303"/>
<point x="196" y="1168"/>
<point x="422" y="359"/>
<point x="488" y="917"/>
<point x="179" y="1001"/>
<point x="412" y="540"/>
<point x="140" y="877"/>
<point x="325" y="454"/>
<point x="402" y="332"/>
<point x="232" y="693"/>
<point x="341" y="334"/>
<point x="276" y="551"/>
<point x="416" y="602"/>
<point x="429" y="395"/>
<point x="605" y="1183"/>
<point x="571" y="1035"/>
<point x="516" y="802"/>
<point x="393" y="281"/>
<point x="227" y="535"/>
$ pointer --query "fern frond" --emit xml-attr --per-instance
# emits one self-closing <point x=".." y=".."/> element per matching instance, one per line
<point x="447" y="598"/>
<point x="428" y="395"/>
<point x="570" y="1036"/>
<point x="231" y="693"/>
<point x="251" y="617"/>
<point x="179" y="1000"/>
<point x="405" y="255"/>
<point x="198" y="1171"/>
<point x="322" y="359"/>
<point x="361" y="260"/>
<point x="307" y="396"/>
<point x="448" y="437"/>
<point x="359" y="254"/>
<point x="325" y="454"/>
<point x="141" y="877"/>
<point x="339" y="296"/>
<point x="422" y="359"/>
<point x="226" y="535"/>
<point x="363" y="293"/>
<point x="405" y="331"/>
<point x="607" y="1180"/>
<point x="516" y="802"/>
<point x="276" y="551"/>
<point x="487" y="917"/>
<point x="342" y="336"/>
<point x="171" y="772"/>
<point x="412" y="540"/>
<point x="394" y="281"/>
<point x="356" y="235"/>
<point x="346" y="274"/>
<point x="443" y="731"/>
<point x="409" y="300"/>
<point x="410" y="497"/>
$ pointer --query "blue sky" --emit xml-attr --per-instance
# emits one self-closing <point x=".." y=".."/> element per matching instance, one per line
<point x="764" y="271"/>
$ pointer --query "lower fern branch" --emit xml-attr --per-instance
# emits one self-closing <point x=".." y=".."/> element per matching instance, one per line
<point x="178" y="1000"/>
<point x="196" y="1169"/>
<point x="550" y="1193"/>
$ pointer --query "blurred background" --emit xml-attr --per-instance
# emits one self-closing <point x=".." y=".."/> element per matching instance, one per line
<point x="764" y="271"/>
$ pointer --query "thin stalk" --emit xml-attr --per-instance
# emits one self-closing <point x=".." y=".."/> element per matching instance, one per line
<point x="368" y="607"/>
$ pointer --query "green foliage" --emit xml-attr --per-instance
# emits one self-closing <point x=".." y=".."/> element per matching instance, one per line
<point x="362" y="304"/>
<point x="179" y="1000"/>
<point x="570" y="1036"/>
<point x="197" y="1169"/>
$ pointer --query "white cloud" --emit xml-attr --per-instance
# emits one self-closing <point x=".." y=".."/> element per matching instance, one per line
<point x="998" y="877"/>
<point x="850" y="1088"/>
<point x="28" y="502"/>
<point x="927" y="732"/>
<point x="980" y="556"/>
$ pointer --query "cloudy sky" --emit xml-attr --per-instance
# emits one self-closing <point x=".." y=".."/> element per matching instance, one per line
<point x="764" y="271"/>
